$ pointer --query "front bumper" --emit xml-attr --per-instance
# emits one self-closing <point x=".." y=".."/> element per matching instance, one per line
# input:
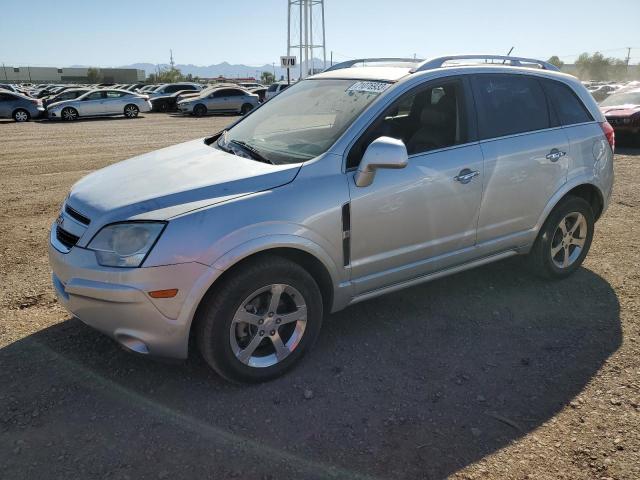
<point x="116" y="301"/>
<point x="185" y="108"/>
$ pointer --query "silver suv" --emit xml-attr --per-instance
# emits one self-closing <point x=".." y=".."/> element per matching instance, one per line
<point x="353" y="183"/>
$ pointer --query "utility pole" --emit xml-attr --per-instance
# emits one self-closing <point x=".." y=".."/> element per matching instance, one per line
<point x="628" y="58"/>
<point x="5" y="72"/>
<point x="171" y="62"/>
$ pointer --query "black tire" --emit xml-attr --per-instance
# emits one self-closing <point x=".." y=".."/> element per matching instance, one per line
<point x="246" y="108"/>
<point x="163" y="107"/>
<point x="21" y="115"/>
<point x="69" y="114"/>
<point x="200" y="110"/>
<point x="215" y="317"/>
<point x="131" y="110"/>
<point x="541" y="260"/>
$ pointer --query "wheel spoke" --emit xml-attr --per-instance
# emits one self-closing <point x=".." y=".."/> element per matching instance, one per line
<point x="281" y="349"/>
<point x="556" y="249"/>
<point x="242" y="316"/>
<point x="563" y="226"/>
<point x="565" y="260"/>
<point x="276" y="293"/>
<point x="245" y="354"/>
<point x="299" y="314"/>
<point x="579" y="225"/>
<point x="578" y="242"/>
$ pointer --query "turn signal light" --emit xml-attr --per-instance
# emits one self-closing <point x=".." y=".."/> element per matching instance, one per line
<point x="170" y="293"/>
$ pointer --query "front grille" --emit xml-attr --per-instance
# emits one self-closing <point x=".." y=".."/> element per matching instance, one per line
<point x="77" y="215"/>
<point x="66" y="238"/>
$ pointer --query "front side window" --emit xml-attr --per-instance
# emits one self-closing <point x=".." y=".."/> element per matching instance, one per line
<point x="94" y="96"/>
<point x="304" y="121"/>
<point x="509" y="104"/>
<point x="568" y="106"/>
<point x="425" y="119"/>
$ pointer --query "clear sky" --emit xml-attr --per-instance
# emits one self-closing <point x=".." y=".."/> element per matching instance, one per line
<point x="253" y="32"/>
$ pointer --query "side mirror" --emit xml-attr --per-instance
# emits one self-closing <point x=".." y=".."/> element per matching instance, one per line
<point x="383" y="152"/>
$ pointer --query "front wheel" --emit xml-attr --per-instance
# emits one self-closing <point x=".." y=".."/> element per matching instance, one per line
<point x="199" y="110"/>
<point x="260" y="321"/>
<point x="131" y="111"/>
<point x="246" y="108"/>
<point x="564" y="240"/>
<point x="69" y="114"/>
<point x="21" y="115"/>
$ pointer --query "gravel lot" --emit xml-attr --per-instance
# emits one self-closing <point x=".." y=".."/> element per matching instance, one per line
<point x="490" y="373"/>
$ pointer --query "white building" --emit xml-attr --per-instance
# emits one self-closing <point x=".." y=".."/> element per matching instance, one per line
<point x="10" y="74"/>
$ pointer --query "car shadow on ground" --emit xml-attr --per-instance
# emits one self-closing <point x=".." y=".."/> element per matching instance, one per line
<point x="415" y="384"/>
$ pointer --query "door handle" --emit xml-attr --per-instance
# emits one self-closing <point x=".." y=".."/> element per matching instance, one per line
<point x="466" y="175"/>
<point x="554" y="155"/>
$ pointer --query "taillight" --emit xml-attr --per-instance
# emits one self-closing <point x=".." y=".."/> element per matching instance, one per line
<point x="610" y="134"/>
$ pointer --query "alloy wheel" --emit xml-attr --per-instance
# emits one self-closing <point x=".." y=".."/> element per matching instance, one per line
<point x="131" y="111"/>
<point x="69" y="114"/>
<point x="21" y="116"/>
<point x="268" y="325"/>
<point x="568" y="240"/>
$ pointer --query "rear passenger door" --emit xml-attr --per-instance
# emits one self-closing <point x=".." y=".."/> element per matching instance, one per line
<point x="525" y="156"/>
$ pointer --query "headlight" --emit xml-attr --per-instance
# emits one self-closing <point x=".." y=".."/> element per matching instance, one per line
<point x="125" y="244"/>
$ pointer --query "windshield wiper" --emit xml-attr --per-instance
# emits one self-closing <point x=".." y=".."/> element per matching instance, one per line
<point x="255" y="154"/>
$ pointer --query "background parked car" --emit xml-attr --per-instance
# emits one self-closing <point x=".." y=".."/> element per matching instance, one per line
<point x="172" y="88"/>
<point x="103" y="102"/>
<point x="168" y="103"/>
<point x="274" y="89"/>
<point x="69" y="94"/>
<point x="221" y="100"/>
<point x="622" y="111"/>
<point x="260" y="91"/>
<point x="19" y="107"/>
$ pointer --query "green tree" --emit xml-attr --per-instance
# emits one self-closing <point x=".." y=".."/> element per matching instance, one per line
<point x="594" y="67"/>
<point x="555" y="60"/>
<point x="93" y="75"/>
<point x="166" y="75"/>
<point x="267" y="78"/>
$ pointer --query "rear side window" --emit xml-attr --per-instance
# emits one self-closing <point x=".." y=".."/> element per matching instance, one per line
<point x="568" y="106"/>
<point x="273" y="87"/>
<point x="509" y="104"/>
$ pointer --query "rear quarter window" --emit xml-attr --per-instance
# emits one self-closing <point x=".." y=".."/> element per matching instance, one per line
<point x="567" y="105"/>
<point x="509" y="104"/>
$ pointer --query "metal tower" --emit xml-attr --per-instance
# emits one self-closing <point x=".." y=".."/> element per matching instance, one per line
<point x="305" y="24"/>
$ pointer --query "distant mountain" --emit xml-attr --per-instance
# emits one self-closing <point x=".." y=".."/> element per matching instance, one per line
<point x="224" y="69"/>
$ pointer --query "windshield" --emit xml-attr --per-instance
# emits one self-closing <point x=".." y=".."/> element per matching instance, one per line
<point x="622" y="99"/>
<point x="303" y="121"/>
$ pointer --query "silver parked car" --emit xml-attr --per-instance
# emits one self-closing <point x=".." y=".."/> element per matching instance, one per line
<point x="220" y="100"/>
<point x="19" y="107"/>
<point x="351" y="184"/>
<point x="101" y="102"/>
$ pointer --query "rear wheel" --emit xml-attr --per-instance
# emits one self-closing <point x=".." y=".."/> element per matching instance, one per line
<point x="260" y="321"/>
<point x="69" y="114"/>
<point x="246" y="108"/>
<point x="131" y="111"/>
<point x="21" y="115"/>
<point x="199" y="110"/>
<point x="564" y="240"/>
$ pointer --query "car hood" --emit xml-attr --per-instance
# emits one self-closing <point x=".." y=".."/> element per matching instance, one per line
<point x="620" y="110"/>
<point x="172" y="181"/>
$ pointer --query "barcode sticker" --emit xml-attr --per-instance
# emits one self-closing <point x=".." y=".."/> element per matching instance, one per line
<point x="371" y="87"/>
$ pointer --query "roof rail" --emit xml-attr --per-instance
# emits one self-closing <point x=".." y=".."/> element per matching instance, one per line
<point x="513" y="61"/>
<point x="351" y="63"/>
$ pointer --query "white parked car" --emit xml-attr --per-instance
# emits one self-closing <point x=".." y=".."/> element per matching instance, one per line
<point x="274" y="89"/>
<point x="103" y="102"/>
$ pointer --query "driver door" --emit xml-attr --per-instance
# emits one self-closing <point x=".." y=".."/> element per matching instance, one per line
<point x="422" y="218"/>
<point x="92" y="104"/>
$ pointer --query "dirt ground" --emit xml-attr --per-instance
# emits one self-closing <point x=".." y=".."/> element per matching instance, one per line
<point x="490" y="373"/>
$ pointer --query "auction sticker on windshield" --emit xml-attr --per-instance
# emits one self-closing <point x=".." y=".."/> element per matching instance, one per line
<point x="372" y="87"/>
